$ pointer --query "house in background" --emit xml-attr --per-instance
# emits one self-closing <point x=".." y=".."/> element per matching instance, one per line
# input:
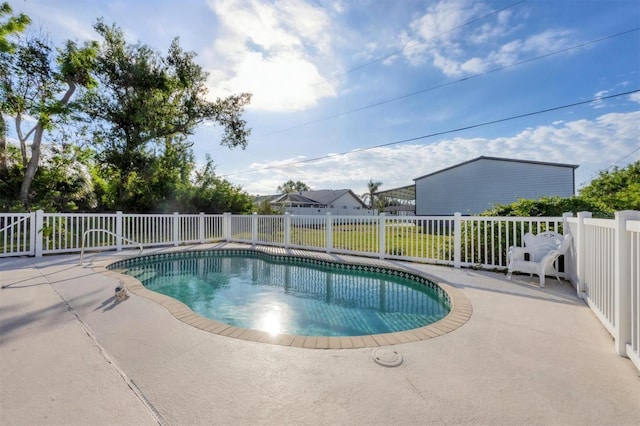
<point x="477" y="185"/>
<point x="337" y="202"/>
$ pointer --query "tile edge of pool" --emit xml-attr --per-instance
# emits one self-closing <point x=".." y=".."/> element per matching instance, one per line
<point x="460" y="313"/>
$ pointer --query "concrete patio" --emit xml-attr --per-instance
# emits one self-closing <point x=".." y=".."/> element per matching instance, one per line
<point x="70" y="354"/>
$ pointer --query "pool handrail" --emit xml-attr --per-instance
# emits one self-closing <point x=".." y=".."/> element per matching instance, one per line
<point x="106" y="232"/>
<point x="13" y="224"/>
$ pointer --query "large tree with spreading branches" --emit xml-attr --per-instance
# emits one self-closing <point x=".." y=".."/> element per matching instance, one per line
<point x="146" y="107"/>
<point x="37" y="86"/>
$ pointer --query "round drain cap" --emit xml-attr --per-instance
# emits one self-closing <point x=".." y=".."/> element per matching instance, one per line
<point x="387" y="357"/>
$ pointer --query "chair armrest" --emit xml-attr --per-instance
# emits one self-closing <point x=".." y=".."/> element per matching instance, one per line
<point x="517" y="253"/>
<point x="550" y="257"/>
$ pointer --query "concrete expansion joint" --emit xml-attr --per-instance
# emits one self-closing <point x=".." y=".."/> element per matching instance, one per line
<point x="103" y="352"/>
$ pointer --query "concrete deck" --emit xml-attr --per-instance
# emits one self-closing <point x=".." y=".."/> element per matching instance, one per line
<point x="71" y="355"/>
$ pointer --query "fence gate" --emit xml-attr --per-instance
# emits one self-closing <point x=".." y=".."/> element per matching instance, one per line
<point x="17" y="234"/>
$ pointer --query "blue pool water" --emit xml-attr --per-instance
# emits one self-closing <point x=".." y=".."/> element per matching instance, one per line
<point x="290" y="295"/>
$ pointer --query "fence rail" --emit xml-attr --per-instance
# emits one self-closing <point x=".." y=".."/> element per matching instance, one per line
<point x="603" y="264"/>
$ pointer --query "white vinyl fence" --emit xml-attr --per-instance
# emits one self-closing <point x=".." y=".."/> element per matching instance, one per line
<point x="603" y="264"/>
<point x="605" y="269"/>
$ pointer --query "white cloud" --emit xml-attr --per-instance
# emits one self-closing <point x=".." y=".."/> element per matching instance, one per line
<point x="275" y="50"/>
<point x="635" y="97"/>
<point x="440" y="37"/>
<point x="593" y="145"/>
<point x="599" y="103"/>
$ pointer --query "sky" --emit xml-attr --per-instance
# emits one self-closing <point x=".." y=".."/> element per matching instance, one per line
<point x="348" y="91"/>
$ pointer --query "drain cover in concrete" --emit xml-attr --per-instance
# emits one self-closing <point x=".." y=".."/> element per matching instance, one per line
<point x="387" y="357"/>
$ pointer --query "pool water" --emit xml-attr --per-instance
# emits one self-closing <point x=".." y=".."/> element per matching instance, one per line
<point x="294" y="296"/>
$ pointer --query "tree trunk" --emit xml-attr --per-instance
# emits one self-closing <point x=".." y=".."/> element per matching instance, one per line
<point x="3" y="145"/>
<point x="32" y="166"/>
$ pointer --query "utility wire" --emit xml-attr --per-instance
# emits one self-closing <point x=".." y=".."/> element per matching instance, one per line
<point x="626" y="156"/>
<point x="395" y="52"/>
<point x="526" y="61"/>
<point x="430" y="135"/>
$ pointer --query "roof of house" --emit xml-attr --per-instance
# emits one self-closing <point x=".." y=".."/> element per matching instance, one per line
<point x="409" y="192"/>
<point x="322" y="196"/>
<point x="403" y="193"/>
<point x="482" y="157"/>
<point x="293" y="197"/>
<point x="328" y="196"/>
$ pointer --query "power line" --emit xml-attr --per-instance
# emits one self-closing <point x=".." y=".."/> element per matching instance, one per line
<point x="626" y="156"/>
<point x="526" y="61"/>
<point x="430" y="135"/>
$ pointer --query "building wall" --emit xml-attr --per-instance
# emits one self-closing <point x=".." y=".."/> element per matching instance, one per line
<point x="334" y="211"/>
<point x="346" y="202"/>
<point x="345" y="205"/>
<point x="476" y="186"/>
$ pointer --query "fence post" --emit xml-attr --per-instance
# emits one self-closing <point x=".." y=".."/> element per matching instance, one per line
<point x="329" y="232"/>
<point x="565" y="222"/>
<point x="622" y="280"/>
<point x="457" y="240"/>
<point x="226" y="226"/>
<point x="39" y="234"/>
<point x="254" y="228"/>
<point x="382" y="225"/>
<point x="201" y="233"/>
<point x="119" y="231"/>
<point x="287" y="229"/>
<point x="565" y="231"/>
<point x="176" y="229"/>
<point x="581" y="286"/>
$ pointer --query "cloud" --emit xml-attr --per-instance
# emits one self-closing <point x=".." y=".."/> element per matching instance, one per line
<point x="593" y="145"/>
<point x="442" y="38"/>
<point x="599" y="103"/>
<point x="277" y="50"/>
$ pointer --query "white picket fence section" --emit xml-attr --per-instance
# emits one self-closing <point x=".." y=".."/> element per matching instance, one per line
<point x="605" y="269"/>
<point x="603" y="264"/>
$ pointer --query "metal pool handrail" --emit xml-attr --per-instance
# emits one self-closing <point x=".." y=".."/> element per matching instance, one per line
<point x="106" y="232"/>
<point x="12" y="224"/>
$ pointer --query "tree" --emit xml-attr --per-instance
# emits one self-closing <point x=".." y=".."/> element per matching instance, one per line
<point x="546" y="207"/>
<point x="211" y="194"/>
<point x="12" y="26"/>
<point x="369" y="197"/>
<point x="147" y="103"/>
<point x="37" y="85"/>
<point x="615" y="190"/>
<point x="63" y="183"/>
<point x="290" y="186"/>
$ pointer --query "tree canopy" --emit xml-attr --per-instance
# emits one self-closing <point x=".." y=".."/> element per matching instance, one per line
<point x="146" y="108"/>
<point x="290" y="186"/>
<point x="112" y="126"/>
<point x="38" y="82"/>
<point x="12" y="26"/>
<point x="615" y="190"/>
<point x="9" y="28"/>
<point x="369" y="197"/>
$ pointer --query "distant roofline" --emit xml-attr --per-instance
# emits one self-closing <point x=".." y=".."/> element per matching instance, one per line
<point x="513" y="160"/>
<point x="336" y="193"/>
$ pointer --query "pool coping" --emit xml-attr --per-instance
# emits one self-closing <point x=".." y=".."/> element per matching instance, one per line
<point x="461" y="308"/>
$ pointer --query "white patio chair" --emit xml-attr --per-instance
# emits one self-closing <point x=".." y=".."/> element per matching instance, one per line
<point x="543" y="250"/>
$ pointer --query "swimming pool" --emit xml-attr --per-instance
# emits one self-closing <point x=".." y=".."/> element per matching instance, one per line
<point x="294" y="296"/>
